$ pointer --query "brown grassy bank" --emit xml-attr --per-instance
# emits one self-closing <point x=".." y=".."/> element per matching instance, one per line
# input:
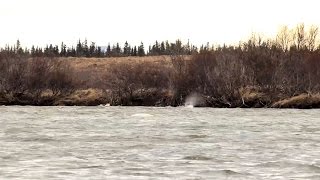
<point x="281" y="73"/>
<point x="147" y="81"/>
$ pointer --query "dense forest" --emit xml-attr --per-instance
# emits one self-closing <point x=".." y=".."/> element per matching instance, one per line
<point x="279" y="72"/>
<point x="82" y="49"/>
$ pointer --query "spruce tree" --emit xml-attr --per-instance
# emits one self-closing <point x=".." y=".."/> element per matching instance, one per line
<point x="108" y="51"/>
<point x="157" y="48"/>
<point x="33" y="51"/>
<point x="78" y="49"/>
<point x="18" y="50"/>
<point x="63" y="51"/>
<point x="141" y="50"/>
<point x="162" y="48"/>
<point x="85" y="48"/>
<point x="56" y="50"/>
<point x="98" y="52"/>
<point x="92" y="49"/>
<point x="118" y="50"/>
<point x="135" y="51"/>
<point x="126" y="49"/>
<point x="150" y="52"/>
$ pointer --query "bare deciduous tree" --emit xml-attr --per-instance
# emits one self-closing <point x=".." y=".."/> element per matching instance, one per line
<point x="312" y="37"/>
<point x="300" y="36"/>
<point x="284" y="38"/>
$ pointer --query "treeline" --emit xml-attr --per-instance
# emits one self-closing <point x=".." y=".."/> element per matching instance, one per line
<point x="83" y="49"/>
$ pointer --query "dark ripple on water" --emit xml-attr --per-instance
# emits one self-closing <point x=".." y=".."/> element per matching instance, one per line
<point x="195" y="136"/>
<point x="198" y="157"/>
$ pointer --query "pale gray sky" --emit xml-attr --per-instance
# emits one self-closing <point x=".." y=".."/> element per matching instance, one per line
<point x="41" y="22"/>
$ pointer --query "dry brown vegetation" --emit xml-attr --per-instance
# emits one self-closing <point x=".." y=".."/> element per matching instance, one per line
<point x="282" y="73"/>
<point x="300" y="101"/>
<point x="223" y="78"/>
<point x="35" y="81"/>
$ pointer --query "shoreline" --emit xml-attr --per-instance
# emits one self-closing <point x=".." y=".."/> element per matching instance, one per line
<point x="98" y="97"/>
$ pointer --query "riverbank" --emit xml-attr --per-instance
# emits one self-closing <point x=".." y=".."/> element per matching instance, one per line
<point x="248" y="76"/>
<point x="95" y="97"/>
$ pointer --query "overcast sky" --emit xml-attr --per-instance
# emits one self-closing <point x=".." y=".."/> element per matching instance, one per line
<point x="41" y="22"/>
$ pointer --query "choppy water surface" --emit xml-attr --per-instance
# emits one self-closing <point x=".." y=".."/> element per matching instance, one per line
<point x="158" y="143"/>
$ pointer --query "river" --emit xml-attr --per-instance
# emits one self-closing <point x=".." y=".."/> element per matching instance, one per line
<point x="158" y="143"/>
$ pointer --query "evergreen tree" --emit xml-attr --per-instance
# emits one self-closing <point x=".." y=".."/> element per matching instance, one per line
<point x="141" y="50"/>
<point x="18" y="48"/>
<point x="26" y="51"/>
<point x="98" y="52"/>
<point x="56" y="51"/>
<point x="118" y="50"/>
<point x="51" y="51"/>
<point x="72" y="52"/>
<point x="92" y="49"/>
<point x="33" y="51"/>
<point x="85" y="48"/>
<point x="188" y="48"/>
<point x="150" y="52"/>
<point x="168" y="48"/>
<point x="178" y="47"/>
<point x="157" y="48"/>
<point x="126" y="49"/>
<point x="108" y="52"/>
<point x="162" y="48"/>
<point x="63" y="51"/>
<point x="40" y="52"/>
<point x="134" y="51"/>
<point x="79" y="49"/>
<point x="46" y="51"/>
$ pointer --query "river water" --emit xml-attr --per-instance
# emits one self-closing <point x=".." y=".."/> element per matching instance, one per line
<point x="158" y="143"/>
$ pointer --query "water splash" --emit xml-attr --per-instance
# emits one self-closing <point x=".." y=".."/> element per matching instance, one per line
<point x="142" y="115"/>
<point x="193" y="100"/>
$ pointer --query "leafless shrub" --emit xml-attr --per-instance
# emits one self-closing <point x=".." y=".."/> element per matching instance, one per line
<point x="312" y="68"/>
<point x="180" y="77"/>
<point x="14" y="70"/>
<point x="203" y="69"/>
<point x="27" y="79"/>
<point x="37" y="75"/>
<point x="126" y="80"/>
<point x="49" y="74"/>
<point x="61" y="80"/>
